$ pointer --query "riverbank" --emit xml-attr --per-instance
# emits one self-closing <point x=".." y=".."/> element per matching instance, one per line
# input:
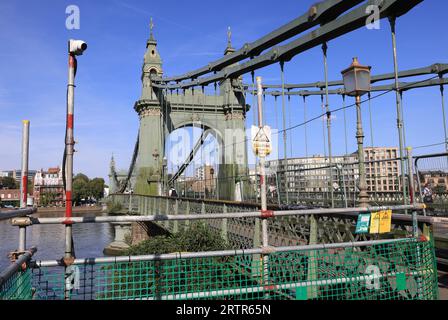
<point x="76" y="210"/>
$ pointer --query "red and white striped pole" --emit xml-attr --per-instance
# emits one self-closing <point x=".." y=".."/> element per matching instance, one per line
<point x="25" y="158"/>
<point x="75" y="47"/>
<point x="69" y="149"/>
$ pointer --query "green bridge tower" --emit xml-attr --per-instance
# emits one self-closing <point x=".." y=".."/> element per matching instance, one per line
<point x="160" y="114"/>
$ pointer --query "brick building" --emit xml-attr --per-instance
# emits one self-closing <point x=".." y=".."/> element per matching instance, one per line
<point x="10" y="197"/>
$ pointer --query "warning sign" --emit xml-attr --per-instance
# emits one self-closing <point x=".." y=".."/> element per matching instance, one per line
<point x="261" y="140"/>
<point x="385" y="221"/>
<point x="374" y="222"/>
<point x="381" y="222"/>
<point x="363" y="223"/>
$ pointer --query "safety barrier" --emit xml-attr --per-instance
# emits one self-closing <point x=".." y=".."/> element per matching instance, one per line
<point x="15" y="281"/>
<point x="382" y="270"/>
<point x="432" y="169"/>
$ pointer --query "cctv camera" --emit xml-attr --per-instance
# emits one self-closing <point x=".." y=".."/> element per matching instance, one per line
<point x="76" y="47"/>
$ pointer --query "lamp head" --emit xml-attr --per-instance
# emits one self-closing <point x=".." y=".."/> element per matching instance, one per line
<point x="356" y="79"/>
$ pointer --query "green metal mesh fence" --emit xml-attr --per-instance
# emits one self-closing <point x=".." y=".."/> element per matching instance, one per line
<point x="402" y="270"/>
<point x="17" y="287"/>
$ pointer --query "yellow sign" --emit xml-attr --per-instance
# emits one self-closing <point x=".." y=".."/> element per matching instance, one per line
<point x="374" y="222"/>
<point x="381" y="222"/>
<point x="385" y="221"/>
<point x="261" y="140"/>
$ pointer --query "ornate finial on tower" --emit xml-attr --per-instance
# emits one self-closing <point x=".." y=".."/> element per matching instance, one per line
<point x="112" y="163"/>
<point x="229" y="48"/>
<point x="151" y="27"/>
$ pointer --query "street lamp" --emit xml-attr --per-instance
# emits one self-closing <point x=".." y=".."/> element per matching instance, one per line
<point x="357" y="83"/>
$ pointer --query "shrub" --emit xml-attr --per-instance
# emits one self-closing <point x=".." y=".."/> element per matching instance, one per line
<point x="198" y="237"/>
<point x="114" y="208"/>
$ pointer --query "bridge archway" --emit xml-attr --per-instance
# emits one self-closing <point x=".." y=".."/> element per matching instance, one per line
<point x="222" y="115"/>
<point x="194" y="153"/>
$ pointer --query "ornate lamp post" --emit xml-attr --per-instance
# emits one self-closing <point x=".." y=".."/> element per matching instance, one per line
<point x="212" y="182"/>
<point x="357" y="83"/>
<point x="165" y="175"/>
<point x="156" y="156"/>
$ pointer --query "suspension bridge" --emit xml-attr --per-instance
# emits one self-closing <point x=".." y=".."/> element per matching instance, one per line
<point x="293" y="223"/>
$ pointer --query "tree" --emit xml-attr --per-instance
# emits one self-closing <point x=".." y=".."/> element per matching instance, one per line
<point x="80" y="189"/>
<point x="8" y="183"/>
<point x="96" y="188"/>
<point x="83" y="188"/>
<point x="81" y="176"/>
<point x="30" y="186"/>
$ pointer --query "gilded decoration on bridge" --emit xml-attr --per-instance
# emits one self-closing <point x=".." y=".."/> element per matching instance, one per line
<point x="195" y="117"/>
<point x="235" y="116"/>
<point x="145" y="112"/>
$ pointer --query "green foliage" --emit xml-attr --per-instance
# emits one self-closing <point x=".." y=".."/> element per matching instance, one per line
<point x="47" y="198"/>
<point x="80" y="189"/>
<point x="155" y="245"/>
<point x="96" y="188"/>
<point x="9" y="183"/>
<point x="81" y="176"/>
<point x="30" y="186"/>
<point x="440" y="189"/>
<point x="198" y="237"/>
<point x="114" y="208"/>
<point x="83" y="188"/>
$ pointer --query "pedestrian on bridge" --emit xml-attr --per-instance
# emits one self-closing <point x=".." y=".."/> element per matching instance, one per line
<point x="172" y="193"/>
<point x="428" y="196"/>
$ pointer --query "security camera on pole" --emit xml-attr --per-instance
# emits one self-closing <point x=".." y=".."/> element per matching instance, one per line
<point x="75" y="48"/>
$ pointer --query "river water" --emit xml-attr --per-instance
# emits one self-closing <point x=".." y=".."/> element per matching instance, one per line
<point x="89" y="239"/>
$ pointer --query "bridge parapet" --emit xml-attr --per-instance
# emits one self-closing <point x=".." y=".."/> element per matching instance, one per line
<point x="303" y="227"/>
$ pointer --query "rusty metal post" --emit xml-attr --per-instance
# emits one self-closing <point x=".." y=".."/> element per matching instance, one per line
<point x="176" y="212"/>
<point x="75" y="47"/>
<point x="69" y="149"/>
<point x="224" y="225"/>
<point x="412" y="191"/>
<point x="22" y="223"/>
<point x="262" y="155"/>
<point x="25" y="159"/>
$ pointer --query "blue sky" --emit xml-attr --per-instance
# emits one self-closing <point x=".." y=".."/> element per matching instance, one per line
<point x="33" y="72"/>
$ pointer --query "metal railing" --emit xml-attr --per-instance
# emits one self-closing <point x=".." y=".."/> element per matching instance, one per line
<point x="384" y="269"/>
<point x="311" y="271"/>
<point x="5" y="215"/>
<point x="15" y="281"/>
<point x="432" y="169"/>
